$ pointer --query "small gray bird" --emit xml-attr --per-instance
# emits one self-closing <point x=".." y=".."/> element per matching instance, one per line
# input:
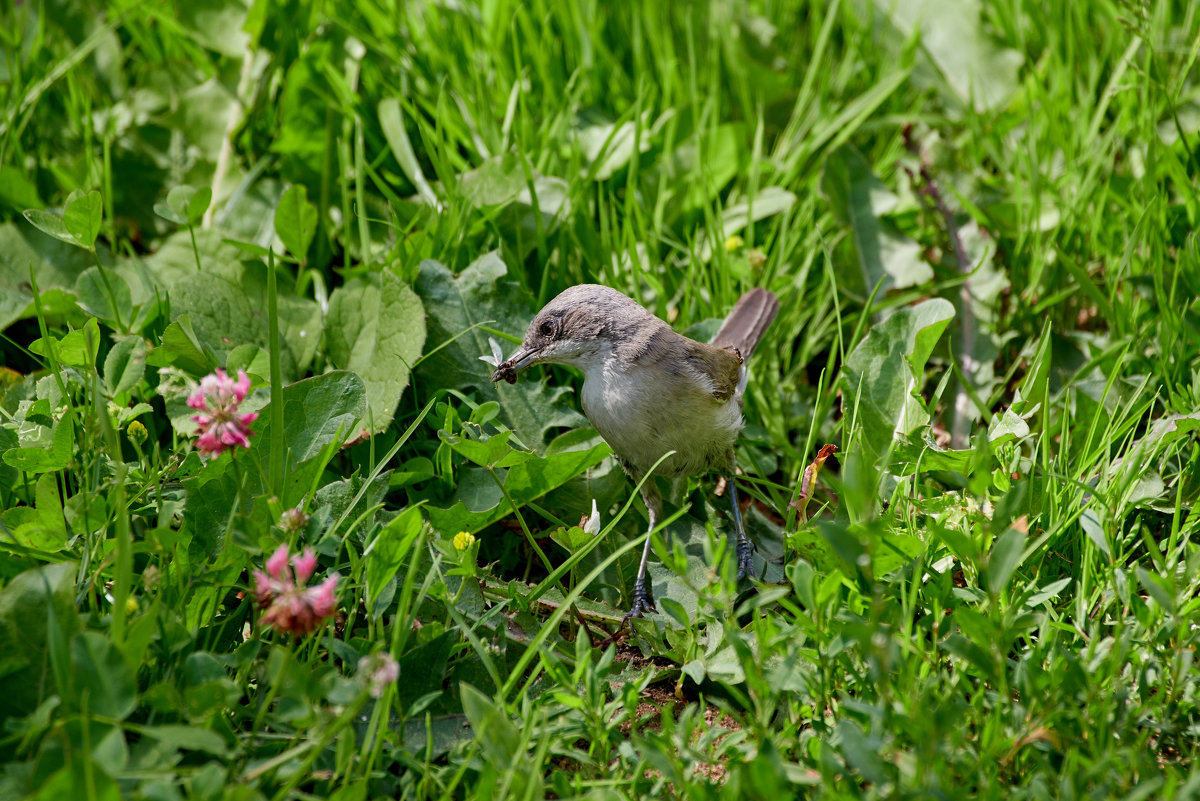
<point x="649" y="390"/>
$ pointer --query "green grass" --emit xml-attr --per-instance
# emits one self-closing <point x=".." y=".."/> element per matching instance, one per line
<point x="978" y="219"/>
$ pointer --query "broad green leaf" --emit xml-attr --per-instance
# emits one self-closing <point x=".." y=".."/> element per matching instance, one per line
<point x="1003" y="558"/>
<point x="41" y="460"/>
<point x="606" y="144"/>
<point x="251" y="358"/>
<point x="502" y="188"/>
<point x="125" y="365"/>
<point x="1033" y="386"/>
<point x="315" y="410"/>
<point x="1006" y="427"/>
<point x="80" y="778"/>
<point x="350" y="497"/>
<point x="221" y="314"/>
<point x="105" y="294"/>
<point x="411" y="471"/>
<point x="696" y="534"/>
<point x="1048" y="592"/>
<point x="77" y="348"/>
<point x="433" y="736"/>
<point x="176" y="259"/>
<point x="50" y="223"/>
<point x="211" y="508"/>
<point x="300" y="329"/>
<point x="8" y="473"/>
<point x="893" y="551"/>
<point x="979" y="341"/>
<point x="767" y="203"/>
<point x="43" y="528"/>
<point x="198" y="204"/>
<point x="19" y="190"/>
<point x="103" y="682"/>
<point x="1162" y="434"/>
<point x="35" y="606"/>
<point x="391" y="119"/>
<point x="859" y="200"/>
<point x="296" y="221"/>
<point x="494" y="732"/>
<point x="478" y="500"/>
<point x="862" y="753"/>
<point x="205" y="686"/>
<point x="30" y="532"/>
<point x="981" y="73"/>
<point x="56" y="266"/>
<point x="206" y="532"/>
<point x="493" y="452"/>
<point x="181" y="348"/>
<point x="83" y="215"/>
<point x="202" y="115"/>
<point x="185" y="204"/>
<point x="142" y="627"/>
<point x="245" y="282"/>
<point x="89" y="515"/>
<point x="300" y="319"/>
<point x="710" y="160"/>
<point x="676" y="611"/>
<point x="457" y="307"/>
<point x="376" y="328"/>
<point x="189" y="738"/>
<point x="571" y="539"/>
<point x="1156" y="588"/>
<point x="496" y="182"/>
<point x="104" y="741"/>
<point x="972" y="653"/>
<point x="217" y="25"/>
<point x="50" y="509"/>
<point x="884" y="374"/>
<point x="302" y="107"/>
<point x="921" y="450"/>
<point x="390" y="549"/>
<point x="224" y="315"/>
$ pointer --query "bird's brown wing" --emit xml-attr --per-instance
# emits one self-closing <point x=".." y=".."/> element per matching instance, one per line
<point x="744" y="326"/>
<point x="722" y="366"/>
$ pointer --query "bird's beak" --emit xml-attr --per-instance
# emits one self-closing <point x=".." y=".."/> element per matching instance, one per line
<point x="517" y="362"/>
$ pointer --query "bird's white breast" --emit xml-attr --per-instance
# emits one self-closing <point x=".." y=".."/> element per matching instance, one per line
<point x="644" y="412"/>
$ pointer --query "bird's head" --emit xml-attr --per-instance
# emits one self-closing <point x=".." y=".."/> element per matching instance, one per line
<point x="579" y="328"/>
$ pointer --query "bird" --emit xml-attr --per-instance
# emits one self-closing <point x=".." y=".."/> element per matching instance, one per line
<point x="650" y="391"/>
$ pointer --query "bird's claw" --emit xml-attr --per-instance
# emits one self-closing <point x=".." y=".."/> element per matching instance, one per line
<point x="642" y="602"/>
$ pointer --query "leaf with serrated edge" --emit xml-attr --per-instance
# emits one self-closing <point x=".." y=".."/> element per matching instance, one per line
<point x="376" y="327"/>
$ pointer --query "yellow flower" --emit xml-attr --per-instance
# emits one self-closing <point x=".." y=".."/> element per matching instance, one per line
<point x="464" y="540"/>
<point x="733" y="243"/>
<point x="137" y="432"/>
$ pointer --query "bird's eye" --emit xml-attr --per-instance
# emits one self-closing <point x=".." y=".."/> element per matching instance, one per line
<point x="546" y="329"/>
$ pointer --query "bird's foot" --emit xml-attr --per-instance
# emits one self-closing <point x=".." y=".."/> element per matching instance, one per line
<point x="643" y="602"/>
<point x="744" y="548"/>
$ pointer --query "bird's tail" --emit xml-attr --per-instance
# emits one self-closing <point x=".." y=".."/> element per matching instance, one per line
<point x="745" y="325"/>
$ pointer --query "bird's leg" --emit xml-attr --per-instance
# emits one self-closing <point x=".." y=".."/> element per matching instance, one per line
<point x="643" y="601"/>
<point x="744" y="546"/>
